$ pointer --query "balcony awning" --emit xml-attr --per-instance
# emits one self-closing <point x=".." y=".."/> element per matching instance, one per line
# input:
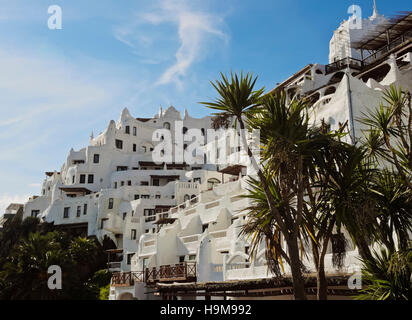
<point x="164" y="177"/>
<point x="377" y="39"/>
<point x="233" y="170"/>
<point x="75" y="190"/>
<point x="165" y="221"/>
<point x="150" y="164"/>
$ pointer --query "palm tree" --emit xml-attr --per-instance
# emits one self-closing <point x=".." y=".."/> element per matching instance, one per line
<point x="238" y="99"/>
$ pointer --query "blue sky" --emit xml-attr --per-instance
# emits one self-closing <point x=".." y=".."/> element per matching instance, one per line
<point x="56" y="86"/>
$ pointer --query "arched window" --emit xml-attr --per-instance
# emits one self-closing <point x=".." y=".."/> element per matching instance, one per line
<point x="330" y="90"/>
<point x="184" y="130"/>
<point x="212" y="182"/>
<point x="166" y="125"/>
<point x="186" y="197"/>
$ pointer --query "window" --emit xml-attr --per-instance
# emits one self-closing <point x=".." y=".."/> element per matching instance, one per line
<point x="35" y="213"/>
<point x="119" y="144"/>
<point x="199" y="180"/>
<point x="134" y="147"/>
<point x="82" y="178"/>
<point x="144" y="183"/>
<point x="133" y="234"/>
<point x="192" y="257"/>
<point x="205" y="227"/>
<point x="111" y="203"/>
<point x="102" y="223"/>
<point x="157" y="196"/>
<point x="96" y="158"/>
<point x="66" y="212"/>
<point x="146" y="231"/>
<point x="154" y="230"/>
<point x="184" y="130"/>
<point x="121" y="168"/>
<point x="186" y="198"/>
<point x="145" y="196"/>
<point x="121" y="183"/>
<point x="127" y="129"/>
<point x="129" y="183"/>
<point x="85" y="209"/>
<point x="149" y="212"/>
<point x="78" y="212"/>
<point x="136" y="197"/>
<point x="129" y="258"/>
<point x="156" y="182"/>
<point x="73" y="178"/>
<point x="90" y="178"/>
<point x="124" y="215"/>
<point x="166" y="125"/>
<point x="115" y="185"/>
<point x="134" y="131"/>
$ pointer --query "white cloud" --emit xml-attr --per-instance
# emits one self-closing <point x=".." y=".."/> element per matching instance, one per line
<point x="196" y="29"/>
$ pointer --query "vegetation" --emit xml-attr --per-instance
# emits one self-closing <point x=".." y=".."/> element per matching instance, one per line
<point x="311" y="185"/>
<point x="29" y="248"/>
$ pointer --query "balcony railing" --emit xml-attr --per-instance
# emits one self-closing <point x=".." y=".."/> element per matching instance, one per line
<point x="127" y="279"/>
<point x="179" y="272"/>
<point x="383" y="51"/>
<point x="343" y="64"/>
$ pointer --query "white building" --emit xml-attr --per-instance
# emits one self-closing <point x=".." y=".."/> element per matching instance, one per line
<point x="175" y="222"/>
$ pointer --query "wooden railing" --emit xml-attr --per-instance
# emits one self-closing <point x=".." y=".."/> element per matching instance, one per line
<point x="179" y="272"/>
<point x="126" y="279"/>
<point x="343" y="64"/>
<point x="182" y="272"/>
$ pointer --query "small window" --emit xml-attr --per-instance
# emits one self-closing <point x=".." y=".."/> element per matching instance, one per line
<point x="129" y="183"/>
<point x="78" y="212"/>
<point x="90" y="178"/>
<point x="85" y="209"/>
<point x="35" y="213"/>
<point x="66" y="212"/>
<point x="73" y="179"/>
<point x="115" y="185"/>
<point x="111" y="203"/>
<point x="124" y="215"/>
<point x="144" y="183"/>
<point x="181" y="259"/>
<point x="129" y="258"/>
<point x="119" y="144"/>
<point x="136" y="197"/>
<point x="121" y="183"/>
<point x="82" y="178"/>
<point x="166" y="125"/>
<point x="96" y="158"/>
<point x="156" y="182"/>
<point x="205" y="227"/>
<point x="184" y="130"/>
<point x="157" y="196"/>
<point x="127" y="129"/>
<point x="192" y="257"/>
<point x="146" y="231"/>
<point x="134" y="131"/>
<point x="102" y="223"/>
<point x="134" y="147"/>
<point x="145" y="196"/>
<point x="133" y="234"/>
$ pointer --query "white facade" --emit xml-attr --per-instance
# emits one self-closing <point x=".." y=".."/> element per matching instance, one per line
<point x="114" y="186"/>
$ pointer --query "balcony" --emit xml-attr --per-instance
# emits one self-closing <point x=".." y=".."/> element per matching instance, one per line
<point x="126" y="279"/>
<point x="182" y="272"/>
<point x="343" y="64"/>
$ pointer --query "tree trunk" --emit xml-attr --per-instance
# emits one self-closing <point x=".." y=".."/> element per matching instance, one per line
<point x="295" y="266"/>
<point x="322" y="282"/>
